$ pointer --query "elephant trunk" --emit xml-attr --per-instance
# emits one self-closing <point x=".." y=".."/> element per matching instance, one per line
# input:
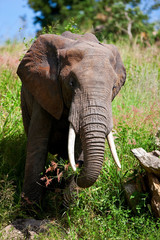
<point x="95" y="126"/>
<point x="93" y="145"/>
<point x="93" y="130"/>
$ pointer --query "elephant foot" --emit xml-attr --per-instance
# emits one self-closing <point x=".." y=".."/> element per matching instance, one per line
<point x="31" y="197"/>
<point x="31" y="208"/>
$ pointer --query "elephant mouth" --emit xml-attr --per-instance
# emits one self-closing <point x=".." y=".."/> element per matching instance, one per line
<point x="71" y="147"/>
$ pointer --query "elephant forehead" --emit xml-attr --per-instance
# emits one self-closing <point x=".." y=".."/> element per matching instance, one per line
<point x="92" y="67"/>
<point x="80" y="48"/>
<point x="86" y="57"/>
<point x="90" y="64"/>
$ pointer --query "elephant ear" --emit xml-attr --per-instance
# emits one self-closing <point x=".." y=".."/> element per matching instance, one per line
<point x="119" y="69"/>
<point x="38" y="72"/>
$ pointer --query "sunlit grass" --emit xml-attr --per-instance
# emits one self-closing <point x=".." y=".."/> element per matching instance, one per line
<point x="99" y="212"/>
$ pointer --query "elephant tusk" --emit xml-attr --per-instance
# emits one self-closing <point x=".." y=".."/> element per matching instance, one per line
<point x="71" y="143"/>
<point x="113" y="149"/>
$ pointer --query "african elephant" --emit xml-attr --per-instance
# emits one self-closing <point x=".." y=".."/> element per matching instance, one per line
<point x="68" y="84"/>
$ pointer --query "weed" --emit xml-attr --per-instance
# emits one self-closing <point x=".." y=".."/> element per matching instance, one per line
<point x="56" y="28"/>
<point x="8" y="208"/>
<point x="72" y="26"/>
<point x="99" y="212"/>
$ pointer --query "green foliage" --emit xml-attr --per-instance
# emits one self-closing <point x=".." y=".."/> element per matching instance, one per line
<point x="110" y="19"/>
<point x="51" y="29"/>
<point x="10" y="102"/>
<point x="8" y="208"/>
<point x="56" y="28"/>
<point x="28" y="43"/>
<point x="121" y="20"/>
<point x="72" y="26"/>
<point x="12" y="143"/>
<point x="99" y="212"/>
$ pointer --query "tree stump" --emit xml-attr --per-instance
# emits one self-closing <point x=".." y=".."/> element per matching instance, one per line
<point x="151" y="163"/>
<point x="154" y="186"/>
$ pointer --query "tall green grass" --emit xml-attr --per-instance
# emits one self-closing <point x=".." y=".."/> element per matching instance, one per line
<point x="100" y="212"/>
<point x="12" y="139"/>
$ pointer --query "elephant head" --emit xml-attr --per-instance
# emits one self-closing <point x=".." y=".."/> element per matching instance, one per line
<point x="79" y="73"/>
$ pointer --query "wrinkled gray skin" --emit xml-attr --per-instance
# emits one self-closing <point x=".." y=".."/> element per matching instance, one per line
<point x="68" y="79"/>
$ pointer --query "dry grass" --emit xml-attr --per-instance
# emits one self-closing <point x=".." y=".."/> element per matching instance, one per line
<point x="10" y="55"/>
<point x="139" y="101"/>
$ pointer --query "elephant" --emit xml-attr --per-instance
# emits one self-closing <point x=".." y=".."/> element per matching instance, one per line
<point x="68" y="84"/>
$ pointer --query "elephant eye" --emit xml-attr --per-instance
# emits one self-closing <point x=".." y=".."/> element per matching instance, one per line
<point x="72" y="82"/>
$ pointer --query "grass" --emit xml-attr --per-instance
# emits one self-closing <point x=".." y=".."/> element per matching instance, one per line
<point x="100" y="212"/>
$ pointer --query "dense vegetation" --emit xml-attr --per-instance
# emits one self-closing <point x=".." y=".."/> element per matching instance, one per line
<point x="107" y="18"/>
<point x="100" y="212"/>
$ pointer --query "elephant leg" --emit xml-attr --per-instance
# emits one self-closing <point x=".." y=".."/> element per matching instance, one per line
<point x="26" y="107"/>
<point x="37" y="148"/>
